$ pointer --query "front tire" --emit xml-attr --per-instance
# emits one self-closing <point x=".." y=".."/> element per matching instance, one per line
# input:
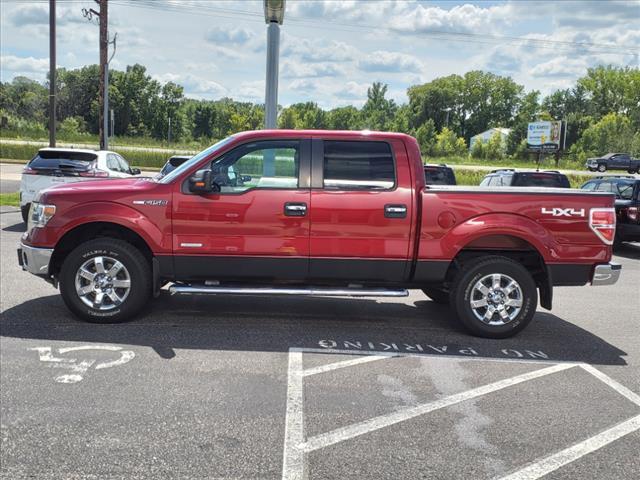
<point x="602" y="168"/>
<point x="494" y="297"/>
<point x="105" y="281"/>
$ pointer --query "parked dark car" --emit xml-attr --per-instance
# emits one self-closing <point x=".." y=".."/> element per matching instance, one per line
<point x="439" y="175"/>
<point x="508" y="177"/>
<point x="627" y="192"/>
<point x="173" y="163"/>
<point x="614" y="161"/>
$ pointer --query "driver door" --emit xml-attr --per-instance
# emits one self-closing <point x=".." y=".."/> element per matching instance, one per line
<point x="256" y="226"/>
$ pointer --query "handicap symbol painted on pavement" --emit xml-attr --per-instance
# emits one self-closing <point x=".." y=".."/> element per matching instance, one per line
<point x="78" y="368"/>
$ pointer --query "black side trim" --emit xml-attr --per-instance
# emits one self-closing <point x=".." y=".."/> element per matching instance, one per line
<point x="431" y="271"/>
<point x="200" y="267"/>
<point x="570" y="274"/>
<point x="356" y="269"/>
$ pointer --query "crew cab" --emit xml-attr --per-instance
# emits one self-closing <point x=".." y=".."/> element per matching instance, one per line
<point x="328" y="213"/>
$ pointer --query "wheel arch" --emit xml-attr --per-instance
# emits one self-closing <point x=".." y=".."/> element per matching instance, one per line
<point x="86" y="231"/>
<point x="510" y="245"/>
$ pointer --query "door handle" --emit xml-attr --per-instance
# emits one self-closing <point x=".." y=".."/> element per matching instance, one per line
<point x="292" y="209"/>
<point x="395" y="211"/>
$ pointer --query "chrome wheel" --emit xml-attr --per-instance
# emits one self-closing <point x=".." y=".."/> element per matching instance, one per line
<point x="103" y="283"/>
<point x="496" y="299"/>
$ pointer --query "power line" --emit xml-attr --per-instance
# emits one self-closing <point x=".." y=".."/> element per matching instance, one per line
<point x="465" y="37"/>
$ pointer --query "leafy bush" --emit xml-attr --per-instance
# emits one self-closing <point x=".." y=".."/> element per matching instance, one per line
<point x="613" y="133"/>
<point x="447" y="143"/>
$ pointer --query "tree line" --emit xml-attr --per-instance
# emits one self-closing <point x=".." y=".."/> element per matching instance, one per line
<point x="602" y="111"/>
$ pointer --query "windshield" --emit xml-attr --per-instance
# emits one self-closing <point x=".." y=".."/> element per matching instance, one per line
<point x="195" y="159"/>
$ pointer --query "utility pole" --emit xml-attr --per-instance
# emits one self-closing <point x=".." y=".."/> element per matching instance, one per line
<point x="52" y="73"/>
<point x="103" y="95"/>
<point x="104" y="73"/>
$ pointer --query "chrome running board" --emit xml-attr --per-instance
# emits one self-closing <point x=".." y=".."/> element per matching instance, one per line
<point x="312" y="291"/>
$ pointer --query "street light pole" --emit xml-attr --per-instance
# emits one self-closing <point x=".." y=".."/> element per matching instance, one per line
<point x="52" y="73"/>
<point x="273" y="16"/>
<point x="271" y="90"/>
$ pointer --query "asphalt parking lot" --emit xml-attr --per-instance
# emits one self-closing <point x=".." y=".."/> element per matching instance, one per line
<point x="262" y="388"/>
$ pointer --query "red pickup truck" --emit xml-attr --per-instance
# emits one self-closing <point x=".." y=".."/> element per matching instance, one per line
<point x="323" y="213"/>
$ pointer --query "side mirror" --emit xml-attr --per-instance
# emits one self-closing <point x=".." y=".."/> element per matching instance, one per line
<point x="200" y="182"/>
<point x="135" y="171"/>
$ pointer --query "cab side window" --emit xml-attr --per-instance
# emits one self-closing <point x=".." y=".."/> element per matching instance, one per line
<point x="268" y="164"/>
<point x="357" y="165"/>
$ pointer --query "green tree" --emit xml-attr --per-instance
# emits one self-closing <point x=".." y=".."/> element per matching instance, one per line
<point x="288" y="119"/>
<point x="614" y="133"/>
<point x="449" y="144"/>
<point x="344" y="118"/>
<point x="426" y="137"/>
<point x="378" y="112"/>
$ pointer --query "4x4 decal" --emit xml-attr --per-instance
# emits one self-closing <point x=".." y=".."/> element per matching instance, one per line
<point x="563" y="212"/>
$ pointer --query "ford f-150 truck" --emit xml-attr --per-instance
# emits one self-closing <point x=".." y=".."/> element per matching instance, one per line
<point x="325" y="213"/>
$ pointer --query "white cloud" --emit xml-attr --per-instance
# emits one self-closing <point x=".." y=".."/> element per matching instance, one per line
<point x="250" y="91"/>
<point x="460" y="18"/>
<point x="24" y="64"/>
<point x="383" y="61"/>
<point x="560" y="67"/>
<point x="291" y="69"/>
<point x="317" y="50"/>
<point x="225" y="36"/>
<point x="26" y="15"/>
<point x="194" y="85"/>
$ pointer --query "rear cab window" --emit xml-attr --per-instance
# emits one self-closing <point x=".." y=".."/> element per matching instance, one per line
<point x="358" y="165"/>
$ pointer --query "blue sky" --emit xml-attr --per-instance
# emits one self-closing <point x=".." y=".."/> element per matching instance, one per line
<point x="331" y="50"/>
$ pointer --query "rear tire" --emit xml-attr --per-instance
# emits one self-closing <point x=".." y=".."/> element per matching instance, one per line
<point x="633" y="171"/>
<point x="105" y="281"/>
<point x="507" y="290"/>
<point x="437" y="295"/>
<point x="24" y="210"/>
<point x="602" y="167"/>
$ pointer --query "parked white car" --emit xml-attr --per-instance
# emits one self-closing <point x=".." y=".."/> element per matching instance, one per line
<point x="52" y="166"/>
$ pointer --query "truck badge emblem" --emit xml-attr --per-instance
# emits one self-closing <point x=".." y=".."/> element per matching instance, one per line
<point x="563" y="212"/>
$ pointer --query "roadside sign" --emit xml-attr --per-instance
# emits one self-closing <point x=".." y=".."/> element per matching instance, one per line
<point x="544" y="135"/>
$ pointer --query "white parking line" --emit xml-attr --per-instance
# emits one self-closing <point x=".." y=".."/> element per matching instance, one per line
<point x="347" y="363"/>
<point x="293" y="457"/>
<point x="568" y="455"/>
<point x="295" y="446"/>
<point x="357" y="429"/>
<point x="621" y="389"/>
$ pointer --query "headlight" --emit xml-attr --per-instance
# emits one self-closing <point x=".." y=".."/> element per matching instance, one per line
<point x="40" y="214"/>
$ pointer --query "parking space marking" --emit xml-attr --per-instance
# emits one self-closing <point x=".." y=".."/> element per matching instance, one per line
<point x="361" y="428"/>
<point x="621" y="389"/>
<point x="347" y="363"/>
<point x="45" y="354"/>
<point x="553" y="462"/>
<point x="295" y="446"/>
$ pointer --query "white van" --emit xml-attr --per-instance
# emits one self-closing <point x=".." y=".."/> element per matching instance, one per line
<point x="52" y="166"/>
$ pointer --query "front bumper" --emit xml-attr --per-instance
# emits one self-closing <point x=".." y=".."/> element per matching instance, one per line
<point x="606" y="274"/>
<point x="34" y="259"/>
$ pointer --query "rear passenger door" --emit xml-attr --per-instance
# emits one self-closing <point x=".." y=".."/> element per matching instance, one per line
<point x="361" y="210"/>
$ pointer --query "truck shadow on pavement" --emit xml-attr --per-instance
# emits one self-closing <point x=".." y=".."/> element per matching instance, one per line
<point x="277" y="324"/>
